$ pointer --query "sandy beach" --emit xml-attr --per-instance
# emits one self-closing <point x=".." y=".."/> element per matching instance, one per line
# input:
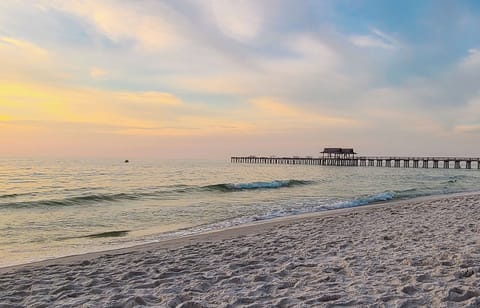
<point x="420" y="252"/>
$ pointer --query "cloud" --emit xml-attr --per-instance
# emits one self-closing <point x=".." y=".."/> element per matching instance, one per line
<point x="376" y="39"/>
<point x="240" y="20"/>
<point x="156" y="98"/>
<point x="281" y="112"/>
<point x="369" y="41"/>
<point x="23" y="60"/>
<point x="221" y="84"/>
<point x="23" y="46"/>
<point x="472" y="60"/>
<point x="98" y="73"/>
<point x="27" y="102"/>
<point x="471" y="128"/>
<point x="147" y="25"/>
<point x="166" y="36"/>
<point x="313" y="52"/>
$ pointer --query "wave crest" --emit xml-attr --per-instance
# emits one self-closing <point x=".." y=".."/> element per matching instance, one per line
<point x="256" y="185"/>
<point x="384" y="196"/>
<point x="78" y="200"/>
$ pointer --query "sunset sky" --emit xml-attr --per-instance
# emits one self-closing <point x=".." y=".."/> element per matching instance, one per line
<point x="210" y="79"/>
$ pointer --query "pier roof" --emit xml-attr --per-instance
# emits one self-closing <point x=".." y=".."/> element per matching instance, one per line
<point x="338" y="151"/>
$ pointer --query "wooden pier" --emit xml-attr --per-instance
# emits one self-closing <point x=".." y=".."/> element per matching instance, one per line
<point x="347" y="157"/>
<point x="367" y="161"/>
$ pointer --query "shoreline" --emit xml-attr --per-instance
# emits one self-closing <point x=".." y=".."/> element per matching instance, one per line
<point x="422" y="252"/>
<point x="226" y="233"/>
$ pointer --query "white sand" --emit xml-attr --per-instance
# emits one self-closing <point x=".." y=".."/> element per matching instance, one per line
<point x="404" y="254"/>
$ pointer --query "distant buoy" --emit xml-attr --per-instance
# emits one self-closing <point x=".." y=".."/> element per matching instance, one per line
<point x="126" y="160"/>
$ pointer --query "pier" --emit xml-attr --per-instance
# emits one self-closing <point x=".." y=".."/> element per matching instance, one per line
<point x="367" y="161"/>
<point x="347" y="157"/>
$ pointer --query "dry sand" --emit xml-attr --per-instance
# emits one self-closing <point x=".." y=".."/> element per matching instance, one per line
<point x="423" y="252"/>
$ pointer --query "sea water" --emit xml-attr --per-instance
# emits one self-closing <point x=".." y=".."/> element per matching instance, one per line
<point x="52" y="208"/>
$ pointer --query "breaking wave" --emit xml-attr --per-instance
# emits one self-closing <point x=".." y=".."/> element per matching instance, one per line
<point x="257" y="185"/>
<point x="153" y="194"/>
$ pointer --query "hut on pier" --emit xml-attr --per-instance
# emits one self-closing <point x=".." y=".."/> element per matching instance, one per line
<point x="345" y="153"/>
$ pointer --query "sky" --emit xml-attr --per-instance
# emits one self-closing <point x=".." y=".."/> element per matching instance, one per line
<point x="216" y="78"/>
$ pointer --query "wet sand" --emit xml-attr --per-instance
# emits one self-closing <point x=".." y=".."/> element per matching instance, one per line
<point x="421" y="252"/>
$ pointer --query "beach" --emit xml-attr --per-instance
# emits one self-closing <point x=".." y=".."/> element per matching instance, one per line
<point x="411" y="253"/>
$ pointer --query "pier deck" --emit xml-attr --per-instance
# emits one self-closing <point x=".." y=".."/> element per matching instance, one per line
<point x="367" y="161"/>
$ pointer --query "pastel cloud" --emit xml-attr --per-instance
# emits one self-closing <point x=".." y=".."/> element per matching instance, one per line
<point x="98" y="73"/>
<point x="376" y="39"/>
<point x="16" y="53"/>
<point x="472" y="128"/>
<point x="124" y="21"/>
<point x="22" y="46"/>
<point x="473" y="59"/>
<point x="240" y="20"/>
<point x="41" y="103"/>
<point x="284" y="112"/>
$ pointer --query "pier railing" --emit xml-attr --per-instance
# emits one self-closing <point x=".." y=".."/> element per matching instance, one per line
<point x="367" y="161"/>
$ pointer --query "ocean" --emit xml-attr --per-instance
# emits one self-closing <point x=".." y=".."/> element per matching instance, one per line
<point x="53" y="208"/>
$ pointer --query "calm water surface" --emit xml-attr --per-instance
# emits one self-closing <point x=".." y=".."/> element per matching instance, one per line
<point x="51" y="208"/>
